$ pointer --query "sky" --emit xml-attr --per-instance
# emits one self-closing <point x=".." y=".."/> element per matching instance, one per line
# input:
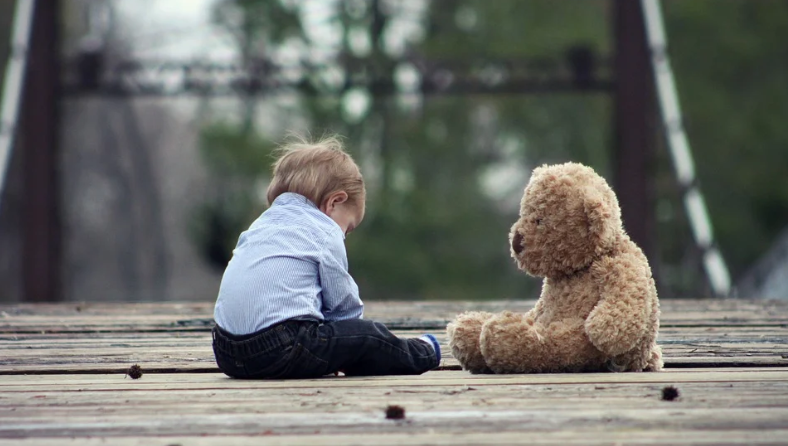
<point x="178" y="29"/>
<point x="182" y="28"/>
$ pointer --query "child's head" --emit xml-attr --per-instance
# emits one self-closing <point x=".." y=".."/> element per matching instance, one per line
<point x="324" y="173"/>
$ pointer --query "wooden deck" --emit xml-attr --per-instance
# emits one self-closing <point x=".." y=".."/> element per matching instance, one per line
<point x="63" y="381"/>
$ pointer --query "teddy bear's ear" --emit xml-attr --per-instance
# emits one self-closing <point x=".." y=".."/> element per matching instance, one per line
<point x="602" y="223"/>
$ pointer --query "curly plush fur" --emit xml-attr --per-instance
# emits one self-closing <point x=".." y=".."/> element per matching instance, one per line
<point x="598" y="310"/>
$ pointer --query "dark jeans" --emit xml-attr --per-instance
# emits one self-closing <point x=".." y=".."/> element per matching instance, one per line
<point x="309" y="349"/>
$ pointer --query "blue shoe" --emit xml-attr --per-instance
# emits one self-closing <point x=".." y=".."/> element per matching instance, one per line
<point x="430" y="339"/>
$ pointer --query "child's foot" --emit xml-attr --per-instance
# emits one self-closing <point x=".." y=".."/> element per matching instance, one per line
<point x="432" y="342"/>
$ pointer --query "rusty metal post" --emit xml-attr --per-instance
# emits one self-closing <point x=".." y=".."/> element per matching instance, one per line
<point x="38" y="138"/>
<point x="634" y="132"/>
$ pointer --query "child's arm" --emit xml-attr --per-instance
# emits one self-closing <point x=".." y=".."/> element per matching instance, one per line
<point x="340" y="292"/>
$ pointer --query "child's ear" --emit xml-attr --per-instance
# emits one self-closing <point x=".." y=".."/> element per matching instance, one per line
<point x="335" y="198"/>
<point x="341" y="197"/>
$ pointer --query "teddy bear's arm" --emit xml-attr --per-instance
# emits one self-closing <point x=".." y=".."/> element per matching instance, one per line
<point x="620" y="318"/>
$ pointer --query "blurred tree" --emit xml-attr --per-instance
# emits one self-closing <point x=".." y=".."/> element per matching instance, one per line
<point x="236" y="158"/>
<point x="236" y="155"/>
<point x="445" y="173"/>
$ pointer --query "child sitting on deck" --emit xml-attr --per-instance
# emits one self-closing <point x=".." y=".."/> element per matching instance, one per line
<point x="287" y="306"/>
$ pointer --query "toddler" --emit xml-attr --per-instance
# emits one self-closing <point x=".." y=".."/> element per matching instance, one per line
<point x="287" y="306"/>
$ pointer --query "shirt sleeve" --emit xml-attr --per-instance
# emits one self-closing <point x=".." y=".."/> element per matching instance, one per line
<point x="340" y="293"/>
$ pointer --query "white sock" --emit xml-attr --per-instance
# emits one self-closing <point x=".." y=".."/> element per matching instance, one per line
<point x="427" y="339"/>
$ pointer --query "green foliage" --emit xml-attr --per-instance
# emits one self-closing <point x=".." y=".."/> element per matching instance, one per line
<point x="229" y="151"/>
<point x="435" y="234"/>
<point x="513" y="28"/>
<point x="432" y="229"/>
<point x="236" y="159"/>
<point x="216" y="224"/>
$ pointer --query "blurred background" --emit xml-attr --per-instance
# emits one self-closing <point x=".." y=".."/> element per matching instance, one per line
<point x="142" y="143"/>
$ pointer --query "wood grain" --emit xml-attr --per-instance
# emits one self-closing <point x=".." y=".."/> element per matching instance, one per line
<point x="513" y="408"/>
<point x="76" y="318"/>
<point x="64" y="383"/>
<point x="112" y="352"/>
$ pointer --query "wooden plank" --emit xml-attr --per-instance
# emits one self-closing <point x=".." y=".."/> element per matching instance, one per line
<point x="22" y="350"/>
<point x="574" y="408"/>
<point x="174" y="366"/>
<point x="661" y="436"/>
<point x="169" y="352"/>
<point x="379" y="309"/>
<point x="70" y="382"/>
<point x="731" y="405"/>
<point x="763" y="388"/>
<point x="667" y="335"/>
<point x="179" y="352"/>
<point x="196" y="403"/>
<point x="421" y="315"/>
<point x="87" y="404"/>
<point x="421" y="422"/>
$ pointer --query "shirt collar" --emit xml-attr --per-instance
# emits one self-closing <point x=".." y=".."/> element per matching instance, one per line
<point x="292" y="198"/>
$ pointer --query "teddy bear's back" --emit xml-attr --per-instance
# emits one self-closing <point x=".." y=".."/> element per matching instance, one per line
<point x="627" y="247"/>
<point x="642" y="355"/>
<point x="574" y="297"/>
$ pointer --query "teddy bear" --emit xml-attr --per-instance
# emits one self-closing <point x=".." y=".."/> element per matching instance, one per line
<point x="598" y="309"/>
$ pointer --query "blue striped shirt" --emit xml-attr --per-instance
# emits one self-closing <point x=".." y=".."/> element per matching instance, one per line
<point x="290" y="264"/>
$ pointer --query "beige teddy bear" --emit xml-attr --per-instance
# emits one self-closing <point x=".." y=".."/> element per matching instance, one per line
<point x="598" y="310"/>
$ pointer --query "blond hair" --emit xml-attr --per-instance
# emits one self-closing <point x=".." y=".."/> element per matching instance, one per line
<point x="316" y="170"/>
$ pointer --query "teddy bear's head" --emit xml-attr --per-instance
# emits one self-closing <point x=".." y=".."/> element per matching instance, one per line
<point x="568" y="217"/>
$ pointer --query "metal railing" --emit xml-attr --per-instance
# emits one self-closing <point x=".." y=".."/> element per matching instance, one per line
<point x="713" y="262"/>
<point x="14" y="82"/>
